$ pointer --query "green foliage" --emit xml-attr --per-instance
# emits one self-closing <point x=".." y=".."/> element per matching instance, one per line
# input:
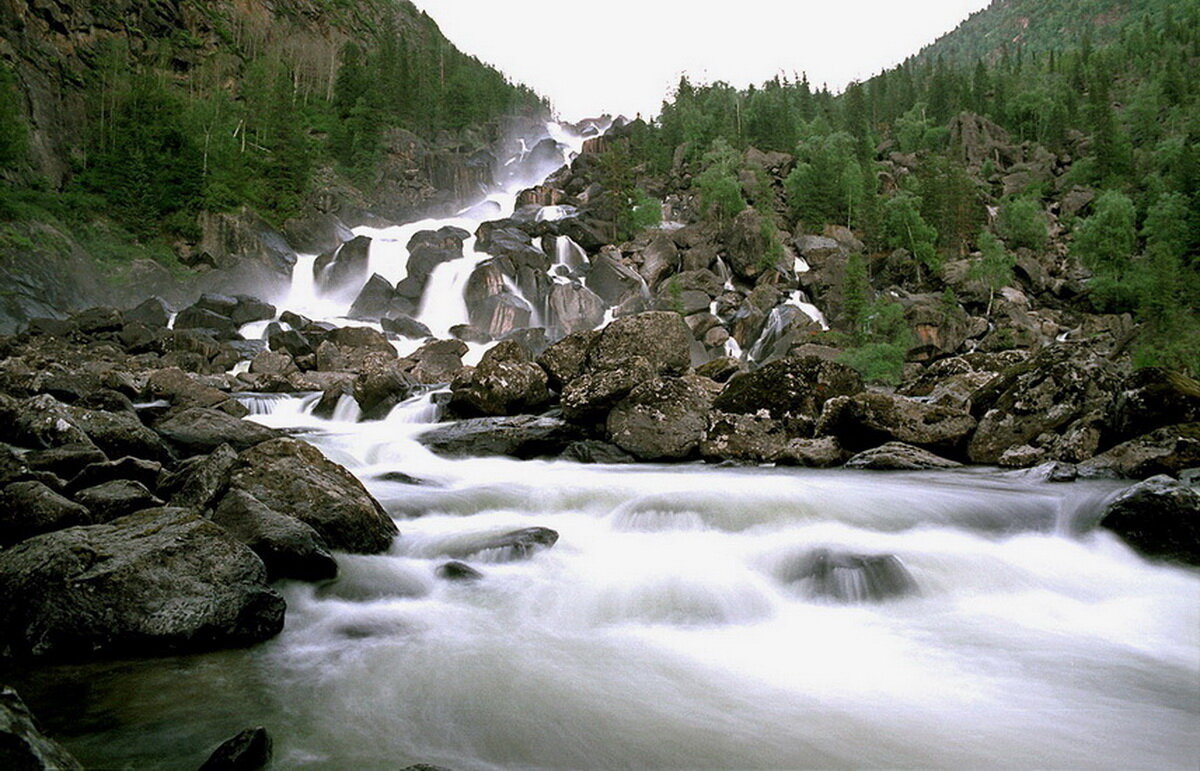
<point x="829" y="182"/>
<point x="773" y="253"/>
<point x="1105" y="243"/>
<point x="904" y="228"/>
<point x="993" y="267"/>
<point x="1022" y="223"/>
<point x="876" y="362"/>
<point x="856" y="297"/>
<point x="718" y="186"/>
<point x="646" y="212"/>
<point x="1169" y="305"/>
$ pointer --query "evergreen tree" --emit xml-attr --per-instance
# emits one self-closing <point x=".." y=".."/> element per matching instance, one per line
<point x="904" y="228"/>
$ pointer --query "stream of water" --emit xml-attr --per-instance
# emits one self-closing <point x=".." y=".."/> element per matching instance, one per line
<point x="672" y="624"/>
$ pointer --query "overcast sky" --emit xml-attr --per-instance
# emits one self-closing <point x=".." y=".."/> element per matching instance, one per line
<point x="624" y="56"/>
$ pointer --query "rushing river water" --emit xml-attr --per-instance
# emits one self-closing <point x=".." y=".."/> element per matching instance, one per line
<point x="673" y="624"/>
<point x="661" y="631"/>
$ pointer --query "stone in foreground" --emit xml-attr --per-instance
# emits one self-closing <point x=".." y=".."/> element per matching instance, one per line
<point x="1159" y="517"/>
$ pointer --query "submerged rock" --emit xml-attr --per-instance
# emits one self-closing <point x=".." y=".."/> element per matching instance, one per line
<point x="898" y="456"/>
<point x="846" y="577"/>
<point x="248" y="751"/>
<point x="506" y="547"/>
<point x="159" y="581"/>
<point x="23" y="746"/>
<point x="458" y="571"/>
<point x="293" y="477"/>
<point x="522" y="436"/>
<point x="1159" y="517"/>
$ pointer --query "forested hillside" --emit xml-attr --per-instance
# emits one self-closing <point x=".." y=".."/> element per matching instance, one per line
<point x="1073" y="145"/>
<point x="124" y="121"/>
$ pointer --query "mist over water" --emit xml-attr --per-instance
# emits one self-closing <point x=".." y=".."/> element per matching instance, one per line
<point x="687" y="617"/>
<point x="662" y="629"/>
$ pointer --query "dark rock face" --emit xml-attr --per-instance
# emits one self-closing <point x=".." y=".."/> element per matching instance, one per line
<point x="591" y="395"/>
<point x="39" y="422"/>
<point x="376" y="300"/>
<point x="159" y="581"/>
<point x="868" y="420"/>
<point x="661" y="337"/>
<point x="596" y="451"/>
<point x="507" y="547"/>
<point x="898" y="456"/>
<point x="746" y="244"/>
<point x="574" y="308"/>
<point x="1151" y="398"/>
<point x="458" y="571"/>
<point x="430" y="248"/>
<point x="565" y="360"/>
<point x="119" y="434"/>
<point x="117" y="498"/>
<point x="405" y="326"/>
<point x="22" y="744"/>
<point x="754" y="438"/>
<point x="344" y="269"/>
<point x="288" y="547"/>
<point x="145" y="472"/>
<point x="1167" y="450"/>
<point x="31" y="508"/>
<point x="293" y="477"/>
<point x="201" y="485"/>
<point x="855" y="578"/>
<point x="662" y="419"/>
<point x="199" y="317"/>
<point x="1042" y="396"/>
<point x="198" y="430"/>
<point x="381" y="385"/>
<point x="791" y="387"/>
<point x="522" y="436"/>
<point x="506" y="382"/>
<point x="1159" y="517"/>
<point x="248" y="751"/>
<point x="438" y="361"/>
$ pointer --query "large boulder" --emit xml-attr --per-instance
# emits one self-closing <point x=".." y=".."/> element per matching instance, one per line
<point x="1167" y="450"/>
<point x="381" y="384"/>
<point x="868" y="420"/>
<point x="522" y="436"/>
<point x="1042" y="397"/>
<point x="31" y="508"/>
<point x="116" y="498"/>
<point x="23" y="746"/>
<point x="159" y="581"/>
<point x="438" y="361"/>
<point x="288" y="547"/>
<point x="1159" y="517"/>
<point x="753" y="438"/>
<point x="1151" y="398"/>
<point x="344" y="269"/>
<point x="250" y="750"/>
<point x="566" y="360"/>
<point x="40" y="422"/>
<point x="747" y="244"/>
<point x="293" y="477"/>
<point x="661" y="337"/>
<point x="574" y="308"/>
<point x="504" y="547"/>
<point x="591" y="395"/>
<point x="506" y="382"/>
<point x="196" y="431"/>
<point x="789" y="388"/>
<point x="663" y="419"/>
<point x="119" y="434"/>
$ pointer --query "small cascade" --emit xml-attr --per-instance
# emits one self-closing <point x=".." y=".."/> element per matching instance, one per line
<point x="423" y="409"/>
<point x="569" y="258"/>
<point x="346" y="410"/>
<point x="797" y="299"/>
<point x="444" y="304"/>
<point x="261" y="404"/>
<point x="554" y="213"/>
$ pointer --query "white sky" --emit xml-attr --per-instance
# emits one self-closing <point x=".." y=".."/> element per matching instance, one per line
<point x="624" y="56"/>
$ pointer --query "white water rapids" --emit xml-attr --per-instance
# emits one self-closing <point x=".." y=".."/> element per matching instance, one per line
<point x="659" y="631"/>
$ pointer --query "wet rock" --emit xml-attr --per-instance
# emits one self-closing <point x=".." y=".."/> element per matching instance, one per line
<point x="183" y="390"/>
<point x="197" y="317"/>
<point x="458" y="571"/>
<point x="39" y="422"/>
<point x="429" y="248"/>
<point x="405" y="326"/>
<point x="1160" y="517"/>
<point x="152" y="312"/>
<point x="661" y="337"/>
<point x="119" y="434"/>
<point x="200" y="485"/>
<point x="23" y="746"/>
<point x="855" y="578"/>
<point x="197" y="431"/>
<point x="96" y="321"/>
<point x="293" y="477"/>
<point x="868" y="420"/>
<point x="248" y="751"/>
<point x="521" y="436"/>
<point x="1041" y="396"/>
<point x="659" y="258"/>
<point x="118" y="498"/>
<point x="613" y="281"/>
<point x="506" y="547"/>
<point x="566" y="360"/>
<point x="1167" y="450"/>
<point x="144" y="471"/>
<point x="31" y="508"/>
<point x="438" y="361"/>
<point x="250" y="309"/>
<point x="1151" y="398"/>
<point x="288" y="547"/>
<point x="64" y="461"/>
<point x="590" y="396"/>
<point x="361" y="337"/>
<point x="273" y="363"/>
<point x="791" y="387"/>
<point x="574" y="308"/>
<point x="662" y="419"/>
<point x="898" y="456"/>
<point x="156" y="582"/>
<point x="344" y="269"/>
<point x="596" y="451"/>
<point x="506" y="382"/>
<point x="754" y="438"/>
<point x="820" y="452"/>
<point x="381" y="385"/>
